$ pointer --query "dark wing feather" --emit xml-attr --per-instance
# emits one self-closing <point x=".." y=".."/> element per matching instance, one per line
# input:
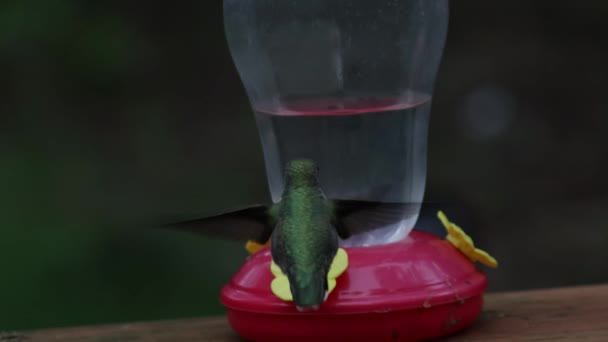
<point x="253" y="223"/>
<point x="354" y="216"/>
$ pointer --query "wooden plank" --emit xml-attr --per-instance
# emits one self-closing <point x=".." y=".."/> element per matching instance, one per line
<point x="567" y="314"/>
<point x="211" y="330"/>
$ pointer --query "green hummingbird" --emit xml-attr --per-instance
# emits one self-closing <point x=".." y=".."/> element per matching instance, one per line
<point x="304" y="228"/>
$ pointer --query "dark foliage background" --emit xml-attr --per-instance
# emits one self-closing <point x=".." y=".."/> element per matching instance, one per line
<point x="115" y="113"/>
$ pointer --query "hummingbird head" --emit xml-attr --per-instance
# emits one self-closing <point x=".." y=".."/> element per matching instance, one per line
<point x="309" y="290"/>
<point x="302" y="171"/>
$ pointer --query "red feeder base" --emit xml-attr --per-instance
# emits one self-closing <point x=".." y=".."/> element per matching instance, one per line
<point x="415" y="289"/>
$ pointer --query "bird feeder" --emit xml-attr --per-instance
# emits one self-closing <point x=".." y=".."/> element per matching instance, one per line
<point x="348" y="84"/>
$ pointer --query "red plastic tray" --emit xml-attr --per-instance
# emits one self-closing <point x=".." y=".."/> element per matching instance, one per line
<point x="419" y="288"/>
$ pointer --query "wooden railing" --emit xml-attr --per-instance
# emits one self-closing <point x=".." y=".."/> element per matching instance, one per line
<point x="565" y="314"/>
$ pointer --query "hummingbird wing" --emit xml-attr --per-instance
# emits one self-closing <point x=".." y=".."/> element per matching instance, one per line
<point x="353" y="216"/>
<point x="252" y="223"/>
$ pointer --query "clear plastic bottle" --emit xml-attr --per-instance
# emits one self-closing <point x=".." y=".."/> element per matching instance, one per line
<point x="347" y="83"/>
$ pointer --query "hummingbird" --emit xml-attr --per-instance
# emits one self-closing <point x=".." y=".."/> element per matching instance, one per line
<point x="304" y="228"/>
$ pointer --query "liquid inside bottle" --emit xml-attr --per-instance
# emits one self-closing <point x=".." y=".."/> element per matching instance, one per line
<point x="367" y="148"/>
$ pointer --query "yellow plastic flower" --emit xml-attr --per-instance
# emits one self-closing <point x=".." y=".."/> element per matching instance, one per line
<point x="253" y="247"/>
<point x="465" y="244"/>
<point x="280" y="285"/>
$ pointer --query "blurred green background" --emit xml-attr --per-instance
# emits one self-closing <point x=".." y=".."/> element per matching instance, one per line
<point x="119" y="113"/>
